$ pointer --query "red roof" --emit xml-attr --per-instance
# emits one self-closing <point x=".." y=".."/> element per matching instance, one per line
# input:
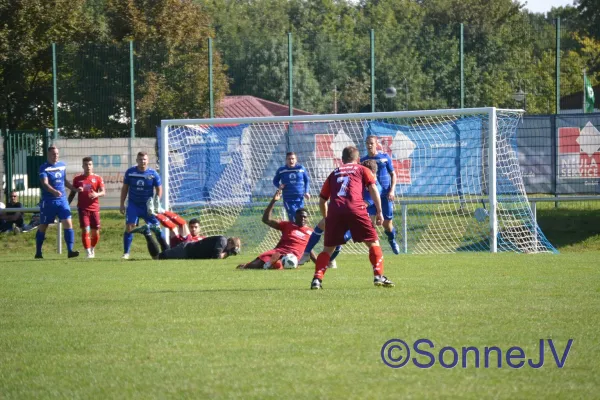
<point x="250" y="106"/>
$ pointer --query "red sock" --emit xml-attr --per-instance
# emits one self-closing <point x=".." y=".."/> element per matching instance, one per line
<point x="321" y="265"/>
<point x="166" y="222"/>
<point x="376" y="258"/>
<point x="174" y="217"/>
<point x="95" y="237"/>
<point x="85" y="239"/>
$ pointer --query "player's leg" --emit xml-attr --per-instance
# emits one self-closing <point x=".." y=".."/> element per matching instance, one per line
<point x="315" y="237"/>
<point x="334" y="236"/>
<point x="363" y="231"/>
<point x="84" y="224"/>
<point x="94" y="230"/>
<point x="178" y="252"/>
<point x="154" y="226"/>
<point x="175" y="218"/>
<point x="259" y="262"/>
<point x="387" y="208"/>
<point x="151" y="244"/>
<point x="47" y="215"/>
<point x="131" y="219"/>
<point x="64" y="215"/>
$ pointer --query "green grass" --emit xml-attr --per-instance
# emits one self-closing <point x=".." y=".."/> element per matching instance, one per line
<point x="107" y="328"/>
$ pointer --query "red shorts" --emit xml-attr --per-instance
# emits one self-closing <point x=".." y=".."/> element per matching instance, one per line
<point x="89" y="218"/>
<point x="357" y="222"/>
<point x="266" y="256"/>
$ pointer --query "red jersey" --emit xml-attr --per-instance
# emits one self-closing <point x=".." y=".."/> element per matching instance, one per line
<point x="344" y="187"/>
<point x="187" y="239"/>
<point x="89" y="183"/>
<point x="294" y="238"/>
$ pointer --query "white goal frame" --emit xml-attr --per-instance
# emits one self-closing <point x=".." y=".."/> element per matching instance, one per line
<point x="491" y="151"/>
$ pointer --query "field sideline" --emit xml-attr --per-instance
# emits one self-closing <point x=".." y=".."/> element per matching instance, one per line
<point x="107" y="328"/>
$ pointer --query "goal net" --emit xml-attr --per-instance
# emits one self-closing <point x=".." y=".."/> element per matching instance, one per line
<point x="459" y="185"/>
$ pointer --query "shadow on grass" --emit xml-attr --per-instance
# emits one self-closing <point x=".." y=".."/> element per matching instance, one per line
<point x="569" y="227"/>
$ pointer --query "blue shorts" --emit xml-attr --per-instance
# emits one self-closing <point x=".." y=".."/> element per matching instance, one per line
<point x="135" y="211"/>
<point x="387" y="208"/>
<point x="291" y="206"/>
<point x="50" y="209"/>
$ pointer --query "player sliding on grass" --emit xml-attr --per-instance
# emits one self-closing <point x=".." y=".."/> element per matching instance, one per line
<point x="294" y="236"/>
<point x="346" y="211"/>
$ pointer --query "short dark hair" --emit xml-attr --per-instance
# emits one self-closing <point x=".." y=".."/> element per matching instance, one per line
<point x="371" y="164"/>
<point x="193" y="221"/>
<point x="349" y="154"/>
<point x="302" y="210"/>
<point x="53" y="147"/>
<point x="289" y="153"/>
<point x="87" y="159"/>
<point x="142" y="154"/>
<point x="371" y="136"/>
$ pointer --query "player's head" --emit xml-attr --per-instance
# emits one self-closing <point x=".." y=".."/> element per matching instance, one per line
<point x="350" y="155"/>
<point x="52" y="154"/>
<point x="88" y="165"/>
<point x="371" y="145"/>
<point x="371" y="164"/>
<point x="290" y="159"/>
<point x="301" y="217"/>
<point x="142" y="160"/>
<point x="194" y="226"/>
<point x="234" y="246"/>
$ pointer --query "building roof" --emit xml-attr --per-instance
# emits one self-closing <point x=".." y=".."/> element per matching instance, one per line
<point x="250" y="106"/>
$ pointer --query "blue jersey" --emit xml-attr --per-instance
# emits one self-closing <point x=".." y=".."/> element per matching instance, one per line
<point x="385" y="168"/>
<point x="55" y="173"/>
<point x="367" y="195"/>
<point x="295" y="179"/>
<point x="141" y="184"/>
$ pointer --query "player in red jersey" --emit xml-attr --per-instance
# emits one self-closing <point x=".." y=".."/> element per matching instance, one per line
<point x="88" y="205"/>
<point x="294" y="237"/>
<point x="346" y="211"/>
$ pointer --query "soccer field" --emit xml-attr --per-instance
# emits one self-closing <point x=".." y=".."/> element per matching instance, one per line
<point x="107" y="328"/>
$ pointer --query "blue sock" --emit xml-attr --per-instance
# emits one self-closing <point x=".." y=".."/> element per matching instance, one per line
<point x="335" y="253"/>
<point x="314" y="239"/>
<point x="69" y="239"/>
<point x="127" y="239"/>
<point x="39" y="241"/>
<point x="347" y="237"/>
<point x="391" y="235"/>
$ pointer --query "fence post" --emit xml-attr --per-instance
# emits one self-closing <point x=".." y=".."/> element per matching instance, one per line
<point x="372" y="37"/>
<point x="405" y="227"/>
<point x="55" y="92"/>
<point x="211" y="98"/>
<point x="132" y="100"/>
<point x="557" y="66"/>
<point x="462" y="66"/>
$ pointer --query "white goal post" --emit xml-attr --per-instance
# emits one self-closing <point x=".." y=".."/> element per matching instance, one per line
<point x="459" y="185"/>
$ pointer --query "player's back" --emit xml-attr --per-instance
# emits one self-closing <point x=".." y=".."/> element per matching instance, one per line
<point x="55" y="173"/>
<point x="344" y="187"/>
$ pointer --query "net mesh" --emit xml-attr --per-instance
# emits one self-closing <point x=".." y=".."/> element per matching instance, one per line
<point x="222" y="175"/>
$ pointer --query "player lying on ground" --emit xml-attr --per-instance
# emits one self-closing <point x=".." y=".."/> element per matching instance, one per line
<point x="180" y="231"/>
<point x="346" y="211"/>
<point x="294" y="237"/>
<point x="212" y="247"/>
<point x="320" y="228"/>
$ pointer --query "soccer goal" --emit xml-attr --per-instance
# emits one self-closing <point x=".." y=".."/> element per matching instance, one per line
<point x="459" y="185"/>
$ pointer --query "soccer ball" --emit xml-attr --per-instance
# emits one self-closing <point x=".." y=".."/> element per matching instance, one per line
<point x="289" y="261"/>
<point x="390" y="92"/>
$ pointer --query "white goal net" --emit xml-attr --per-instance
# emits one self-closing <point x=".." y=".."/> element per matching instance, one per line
<point x="459" y="186"/>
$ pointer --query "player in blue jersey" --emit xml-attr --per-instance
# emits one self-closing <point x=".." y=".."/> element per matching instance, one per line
<point x="386" y="177"/>
<point x="139" y="184"/>
<point x="54" y="202"/>
<point x="294" y="179"/>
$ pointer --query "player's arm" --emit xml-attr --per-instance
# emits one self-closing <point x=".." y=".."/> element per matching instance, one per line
<point x="101" y="190"/>
<point x="277" y="178"/>
<point x="390" y="168"/>
<point x="124" y="191"/>
<point x="71" y="196"/>
<point x="266" y="218"/>
<point x="70" y="186"/>
<point x="306" y="184"/>
<point x="324" y="197"/>
<point x="48" y="188"/>
<point x="377" y="201"/>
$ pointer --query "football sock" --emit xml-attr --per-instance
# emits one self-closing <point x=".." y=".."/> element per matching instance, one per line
<point x="69" y="238"/>
<point x="347" y="236"/>
<point x="39" y="241"/>
<point x="321" y="265"/>
<point x="85" y="238"/>
<point x="175" y="218"/>
<point x="161" y="240"/>
<point x="335" y="253"/>
<point x="165" y="221"/>
<point x="95" y="237"/>
<point x="392" y="234"/>
<point x="314" y="239"/>
<point x="127" y="239"/>
<point x="152" y="246"/>
<point x="376" y="258"/>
